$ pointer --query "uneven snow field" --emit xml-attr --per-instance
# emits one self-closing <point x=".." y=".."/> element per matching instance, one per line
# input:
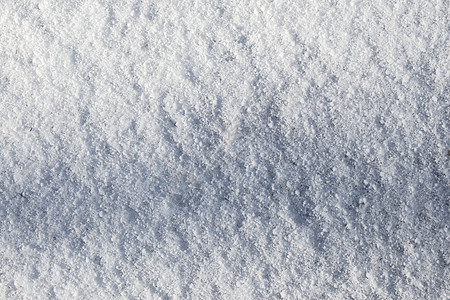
<point x="198" y="149"/>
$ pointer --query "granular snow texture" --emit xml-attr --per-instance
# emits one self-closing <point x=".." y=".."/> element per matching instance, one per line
<point x="251" y="149"/>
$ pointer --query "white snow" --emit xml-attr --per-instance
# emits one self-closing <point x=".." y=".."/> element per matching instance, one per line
<point x="253" y="149"/>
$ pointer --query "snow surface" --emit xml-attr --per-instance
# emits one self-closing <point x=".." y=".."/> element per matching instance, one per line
<point x="247" y="149"/>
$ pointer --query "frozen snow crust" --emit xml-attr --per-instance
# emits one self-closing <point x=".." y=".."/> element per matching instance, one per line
<point x="224" y="149"/>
